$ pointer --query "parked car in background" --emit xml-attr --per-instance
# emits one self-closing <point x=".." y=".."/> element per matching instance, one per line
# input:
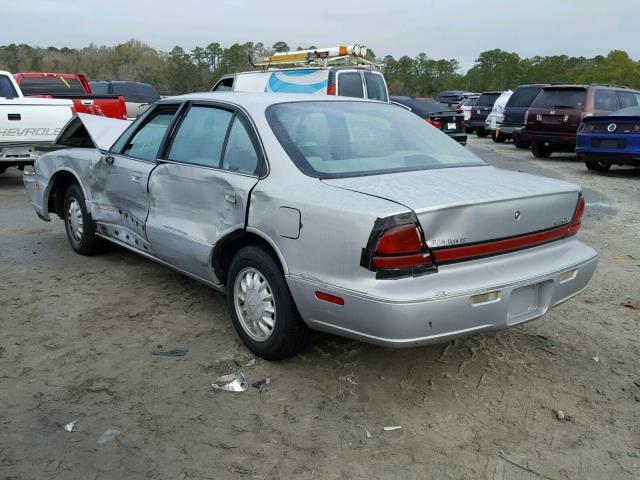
<point x="439" y="115"/>
<point x="556" y="113"/>
<point x="480" y="111"/>
<point x="138" y="96"/>
<point x="28" y="126"/>
<point x="610" y="140"/>
<point x="495" y="118"/>
<point x="466" y="107"/>
<point x="440" y="244"/>
<point x="453" y="98"/>
<point x="312" y="72"/>
<point x="74" y="87"/>
<point x="516" y="110"/>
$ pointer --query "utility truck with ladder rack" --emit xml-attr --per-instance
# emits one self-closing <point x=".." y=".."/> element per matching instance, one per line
<point x="342" y="70"/>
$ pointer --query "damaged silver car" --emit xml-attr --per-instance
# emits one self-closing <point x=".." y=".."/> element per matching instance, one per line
<point x="348" y="216"/>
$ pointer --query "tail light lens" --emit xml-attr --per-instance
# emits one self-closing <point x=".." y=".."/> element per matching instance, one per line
<point x="435" y="123"/>
<point x="397" y="251"/>
<point x="331" y="89"/>
<point x="578" y="214"/>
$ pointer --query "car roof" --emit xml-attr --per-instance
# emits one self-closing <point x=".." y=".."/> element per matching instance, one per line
<point x="261" y="99"/>
<point x="421" y="105"/>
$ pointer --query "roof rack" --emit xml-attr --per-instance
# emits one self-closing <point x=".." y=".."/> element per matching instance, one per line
<point x="323" y="57"/>
<point x="608" y="85"/>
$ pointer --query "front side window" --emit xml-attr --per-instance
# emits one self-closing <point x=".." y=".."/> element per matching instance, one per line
<point x="6" y="88"/>
<point x="347" y="139"/>
<point x="350" y="84"/>
<point x="376" y="89"/>
<point x="605" y="100"/>
<point x="200" y="138"/>
<point x="146" y="141"/>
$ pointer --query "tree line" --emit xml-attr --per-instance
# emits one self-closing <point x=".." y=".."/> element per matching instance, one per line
<point x="181" y="71"/>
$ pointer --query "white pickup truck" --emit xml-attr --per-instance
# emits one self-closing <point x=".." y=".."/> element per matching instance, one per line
<point x="28" y="126"/>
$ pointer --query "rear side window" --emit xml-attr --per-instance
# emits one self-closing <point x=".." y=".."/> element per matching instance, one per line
<point x="560" y="98"/>
<point x="376" y="89"/>
<point x="101" y="88"/>
<point x="135" y="92"/>
<point x="240" y="154"/>
<point x="145" y="143"/>
<point x="523" y="96"/>
<point x="350" y="84"/>
<point x="6" y="88"/>
<point x="627" y="99"/>
<point x="201" y="136"/>
<point x="487" y="99"/>
<point x="224" y="85"/>
<point x="52" y="85"/>
<point x="605" y="100"/>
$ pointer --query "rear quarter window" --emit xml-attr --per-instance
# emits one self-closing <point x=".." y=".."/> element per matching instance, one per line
<point x="605" y="100"/>
<point x="6" y="88"/>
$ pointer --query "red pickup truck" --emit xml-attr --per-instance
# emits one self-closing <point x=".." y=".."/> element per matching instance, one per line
<point x="72" y="87"/>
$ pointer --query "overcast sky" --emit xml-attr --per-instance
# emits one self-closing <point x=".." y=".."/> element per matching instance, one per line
<point x="458" y="29"/>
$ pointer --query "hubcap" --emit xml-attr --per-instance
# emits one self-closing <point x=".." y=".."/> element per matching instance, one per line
<point x="75" y="225"/>
<point x="255" y="306"/>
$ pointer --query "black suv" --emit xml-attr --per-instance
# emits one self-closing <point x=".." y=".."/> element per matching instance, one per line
<point x="480" y="112"/>
<point x="516" y="110"/>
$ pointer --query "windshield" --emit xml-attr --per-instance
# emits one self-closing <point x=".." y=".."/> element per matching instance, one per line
<point x="50" y="85"/>
<point x="328" y="139"/>
<point x="560" y="98"/>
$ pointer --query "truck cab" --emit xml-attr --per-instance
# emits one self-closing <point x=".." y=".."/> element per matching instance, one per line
<point x="340" y="71"/>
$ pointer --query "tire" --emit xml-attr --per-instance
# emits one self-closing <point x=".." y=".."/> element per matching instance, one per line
<point x="519" y="143"/>
<point x="288" y="334"/>
<point x="499" y="138"/>
<point x="541" y="151"/>
<point x="468" y="130"/>
<point x="597" y="166"/>
<point x="481" y="132"/>
<point x="81" y="230"/>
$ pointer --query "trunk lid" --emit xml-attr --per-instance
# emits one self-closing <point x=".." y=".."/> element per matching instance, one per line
<point x="457" y="206"/>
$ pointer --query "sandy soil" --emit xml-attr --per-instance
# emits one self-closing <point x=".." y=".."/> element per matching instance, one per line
<point x="77" y="336"/>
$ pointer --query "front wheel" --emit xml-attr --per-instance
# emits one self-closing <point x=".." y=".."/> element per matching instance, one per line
<point x="261" y="307"/>
<point x="540" y="150"/>
<point x="79" y="225"/>
<point x="597" y="166"/>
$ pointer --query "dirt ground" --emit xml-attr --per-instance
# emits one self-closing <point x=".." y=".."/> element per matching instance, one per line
<point x="77" y="335"/>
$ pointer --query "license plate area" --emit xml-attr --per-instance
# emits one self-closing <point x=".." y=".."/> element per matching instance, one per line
<point x="609" y="143"/>
<point x="451" y="126"/>
<point x="524" y="303"/>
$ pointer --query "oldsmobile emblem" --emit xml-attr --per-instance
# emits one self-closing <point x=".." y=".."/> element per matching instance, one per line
<point x="612" y="127"/>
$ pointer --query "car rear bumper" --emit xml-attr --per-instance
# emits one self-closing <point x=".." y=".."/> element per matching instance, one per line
<point x="36" y="193"/>
<point x="520" y="287"/>
<point x="510" y="129"/>
<point x="562" y="140"/>
<point x="459" y="137"/>
<point x="617" y="158"/>
<point x="476" y="122"/>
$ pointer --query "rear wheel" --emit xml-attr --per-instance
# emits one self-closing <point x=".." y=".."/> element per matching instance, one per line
<point x="481" y="132"/>
<point x="80" y="228"/>
<point x="498" y="137"/>
<point x="261" y="306"/>
<point x="597" y="166"/>
<point x="468" y="129"/>
<point x="519" y="143"/>
<point x="541" y="150"/>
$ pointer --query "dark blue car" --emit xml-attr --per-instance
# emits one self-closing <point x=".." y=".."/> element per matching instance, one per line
<point x="612" y="139"/>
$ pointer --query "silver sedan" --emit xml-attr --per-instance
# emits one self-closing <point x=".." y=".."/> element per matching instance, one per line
<point x="347" y="216"/>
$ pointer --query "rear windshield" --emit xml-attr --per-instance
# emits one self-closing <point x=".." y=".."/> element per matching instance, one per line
<point x="135" y="92"/>
<point x="6" y="88"/>
<point x="523" y="96"/>
<point x="487" y="99"/>
<point x="53" y="85"/>
<point x="470" y="102"/>
<point x="560" y="98"/>
<point x="328" y="139"/>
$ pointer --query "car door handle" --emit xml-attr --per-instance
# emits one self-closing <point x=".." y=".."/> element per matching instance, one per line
<point x="109" y="159"/>
<point x="230" y="195"/>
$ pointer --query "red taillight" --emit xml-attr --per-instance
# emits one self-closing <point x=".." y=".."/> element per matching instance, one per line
<point x="435" y="123"/>
<point x="331" y="89"/>
<point x="577" y="215"/>
<point x="399" y="250"/>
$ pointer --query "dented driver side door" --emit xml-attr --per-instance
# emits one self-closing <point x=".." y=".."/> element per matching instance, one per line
<point x="200" y="191"/>
<point x="119" y="179"/>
